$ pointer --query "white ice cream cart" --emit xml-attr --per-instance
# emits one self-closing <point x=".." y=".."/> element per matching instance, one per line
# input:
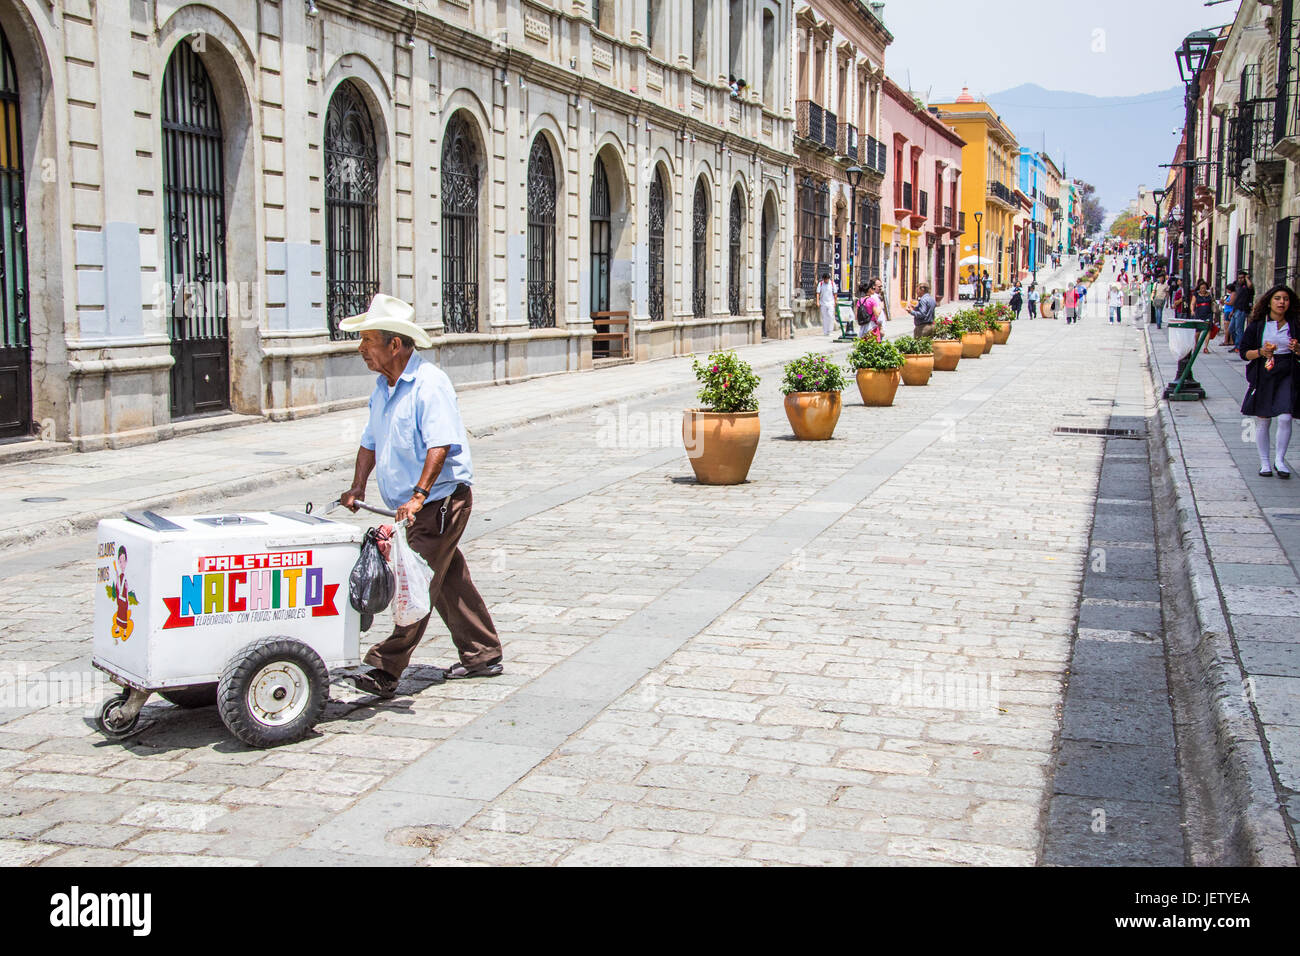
<point x="248" y="611"/>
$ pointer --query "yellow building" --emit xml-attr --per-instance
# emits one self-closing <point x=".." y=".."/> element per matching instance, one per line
<point x="989" y="163"/>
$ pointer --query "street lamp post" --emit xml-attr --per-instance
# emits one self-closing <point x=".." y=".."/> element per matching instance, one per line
<point x="1159" y="195"/>
<point x="979" y="281"/>
<point x="855" y="176"/>
<point x="1191" y="57"/>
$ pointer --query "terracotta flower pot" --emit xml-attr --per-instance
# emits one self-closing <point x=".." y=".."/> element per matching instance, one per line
<point x="877" y="386"/>
<point x="813" y="414"/>
<point x="972" y="344"/>
<point x="947" y="353"/>
<point x="917" y="369"/>
<point x="989" y="337"/>
<point x="1004" y="334"/>
<point x="720" y="445"/>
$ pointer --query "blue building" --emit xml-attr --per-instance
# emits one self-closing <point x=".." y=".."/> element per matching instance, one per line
<point x="1033" y="177"/>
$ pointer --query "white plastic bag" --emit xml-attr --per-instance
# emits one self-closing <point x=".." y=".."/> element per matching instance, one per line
<point x="1181" y="341"/>
<point x="414" y="576"/>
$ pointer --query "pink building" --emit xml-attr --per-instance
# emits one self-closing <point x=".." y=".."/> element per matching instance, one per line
<point x="920" y="221"/>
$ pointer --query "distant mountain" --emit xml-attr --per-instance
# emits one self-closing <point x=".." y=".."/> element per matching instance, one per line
<point x="1117" y="143"/>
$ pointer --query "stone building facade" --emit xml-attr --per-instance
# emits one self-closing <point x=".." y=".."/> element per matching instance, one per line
<point x="203" y="190"/>
<point x="839" y="75"/>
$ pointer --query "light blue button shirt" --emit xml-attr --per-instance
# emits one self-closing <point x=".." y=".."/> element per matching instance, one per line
<point x="418" y="413"/>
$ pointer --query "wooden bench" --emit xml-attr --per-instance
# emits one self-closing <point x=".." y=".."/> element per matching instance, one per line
<point x="613" y="328"/>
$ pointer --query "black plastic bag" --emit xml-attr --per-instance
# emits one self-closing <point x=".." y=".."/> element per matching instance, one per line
<point x="371" y="585"/>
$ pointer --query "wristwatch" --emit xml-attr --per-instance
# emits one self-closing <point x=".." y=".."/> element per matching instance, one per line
<point x="422" y="492"/>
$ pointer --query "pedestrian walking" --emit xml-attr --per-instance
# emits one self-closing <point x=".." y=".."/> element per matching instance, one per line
<point x="1033" y="298"/>
<point x="1017" y="300"/>
<point x="1243" y="304"/>
<point x="1071" y="301"/>
<point x="923" y="314"/>
<point x="1269" y="345"/>
<point x="869" y="310"/>
<point x="1115" y="304"/>
<point x="1203" y="310"/>
<point x="1081" y="295"/>
<point x="414" y="442"/>
<point x="826" y="303"/>
<point x="1159" y="296"/>
<point x="1178" y="298"/>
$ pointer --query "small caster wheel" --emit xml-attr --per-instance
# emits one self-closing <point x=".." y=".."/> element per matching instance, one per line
<point x="112" y="717"/>
<point x="273" y="692"/>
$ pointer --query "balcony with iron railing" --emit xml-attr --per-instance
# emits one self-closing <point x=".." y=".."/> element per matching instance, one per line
<point x="1001" y="193"/>
<point x="830" y="129"/>
<point x="1252" y="127"/>
<point x="921" y="210"/>
<point x="903" y="200"/>
<point x="947" y="217"/>
<point x="809" y="120"/>
<point x="846" y="142"/>
<point x="961" y="222"/>
<point x="924" y="208"/>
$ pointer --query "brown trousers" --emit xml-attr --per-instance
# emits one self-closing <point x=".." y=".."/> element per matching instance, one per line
<point x="452" y="593"/>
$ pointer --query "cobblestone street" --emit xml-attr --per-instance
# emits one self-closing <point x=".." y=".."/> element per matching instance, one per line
<point x="858" y="656"/>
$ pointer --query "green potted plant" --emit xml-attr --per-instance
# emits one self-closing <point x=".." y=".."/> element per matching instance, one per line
<point x="1004" y="316"/>
<point x="971" y="324"/>
<point x="812" y="386"/>
<point x="918" y="359"/>
<point x="988" y="318"/>
<point x="722" y="436"/>
<point x="877" y="364"/>
<point x="946" y="344"/>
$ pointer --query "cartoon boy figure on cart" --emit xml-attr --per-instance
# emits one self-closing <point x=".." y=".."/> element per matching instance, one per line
<point x="119" y="591"/>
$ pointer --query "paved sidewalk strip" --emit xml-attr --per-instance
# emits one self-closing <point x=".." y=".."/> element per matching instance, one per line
<point x="1244" y="567"/>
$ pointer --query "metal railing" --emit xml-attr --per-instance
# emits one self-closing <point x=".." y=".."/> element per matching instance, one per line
<point x="907" y="196"/>
<point x="961" y="221"/>
<point x="947" y="217"/>
<point x="1000" y="192"/>
<point x="846" y="142"/>
<point x="1251" y="137"/>
<point x="924" y="209"/>
<point x="808" y="120"/>
<point x="829" y="129"/>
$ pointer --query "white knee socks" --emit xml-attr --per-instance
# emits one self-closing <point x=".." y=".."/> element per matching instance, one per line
<point x="1283" y="440"/>
<point x="1262" y="426"/>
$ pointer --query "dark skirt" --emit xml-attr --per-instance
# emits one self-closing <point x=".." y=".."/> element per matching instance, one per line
<point x="1275" y="392"/>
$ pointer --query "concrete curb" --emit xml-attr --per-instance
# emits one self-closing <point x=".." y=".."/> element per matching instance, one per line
<point x="1252" y="796"/>
<point x="240" y="486"/>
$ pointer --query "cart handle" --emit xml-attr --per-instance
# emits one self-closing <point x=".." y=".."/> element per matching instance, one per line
<point x="364" y="507"/>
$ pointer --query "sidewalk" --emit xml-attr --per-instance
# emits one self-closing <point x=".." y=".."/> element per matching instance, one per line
<point x="1241" y="535"/>
<point x="82" y="488"/>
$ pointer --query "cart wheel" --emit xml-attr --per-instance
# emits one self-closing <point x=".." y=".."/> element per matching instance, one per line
<point x="110" y="718"/>
<point x="200" y="695"/>
<point x="272" y="692"/>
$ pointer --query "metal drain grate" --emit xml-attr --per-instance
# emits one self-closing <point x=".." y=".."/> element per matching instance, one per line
<point x="1101" y="432"/>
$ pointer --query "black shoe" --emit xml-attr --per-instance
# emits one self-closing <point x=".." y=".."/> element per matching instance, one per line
<point x="1268" y="474"/>
<point x="377" y="682"/>
<point x="461" y="672"/>
<point x="1283" y="474"/>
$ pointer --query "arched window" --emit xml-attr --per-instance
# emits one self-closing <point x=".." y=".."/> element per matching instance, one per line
<point x="194" y="200"/>
<point x="459" y="229"/>
<point x="600" y="238"/>
<point x="701" y="244"/>
<point x="351" y="208"/>
<point x="657" y="247"/>
<point x="541" y="236"/>
<point x="15" y="340"/>
<point x="734" y="259"/>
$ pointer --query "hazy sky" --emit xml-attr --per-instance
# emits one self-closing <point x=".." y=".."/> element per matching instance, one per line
<point x="1102" y="47"/>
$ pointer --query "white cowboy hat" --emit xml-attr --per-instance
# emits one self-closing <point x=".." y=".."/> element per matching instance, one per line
<point x="390" y="315"/>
